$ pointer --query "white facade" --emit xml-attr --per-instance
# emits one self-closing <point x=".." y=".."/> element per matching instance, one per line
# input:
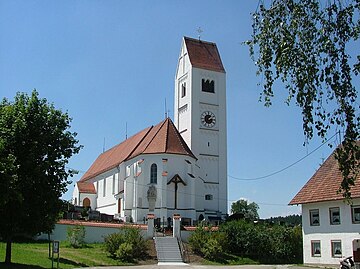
<point x="337" y="235"/>
<point x="123" y="190"/>
<point x="190" y="156"/>
<point x="206" y="139"/>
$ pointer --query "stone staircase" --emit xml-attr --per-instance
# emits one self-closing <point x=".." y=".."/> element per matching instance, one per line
<point x="168" y="250"/>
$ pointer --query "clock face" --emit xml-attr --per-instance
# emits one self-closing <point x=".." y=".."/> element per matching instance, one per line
<point x="208" y="119"/>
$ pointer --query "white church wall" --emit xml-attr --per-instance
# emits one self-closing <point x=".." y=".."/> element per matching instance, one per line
<point x="106" y="187"/>
<point x="346" y="232"/>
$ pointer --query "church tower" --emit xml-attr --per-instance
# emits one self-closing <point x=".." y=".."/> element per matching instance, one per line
<point x="200" y="117"/>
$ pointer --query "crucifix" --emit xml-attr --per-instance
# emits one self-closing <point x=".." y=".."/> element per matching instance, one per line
<point x="176" y="180"/>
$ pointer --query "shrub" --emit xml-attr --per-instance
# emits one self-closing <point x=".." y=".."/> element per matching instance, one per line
<point x="125" y="252"/>
<point x="126" y="245"/>
<point x="76" y="236"/>
<point x="208" y="243"/>
<point x="113" y="242"/>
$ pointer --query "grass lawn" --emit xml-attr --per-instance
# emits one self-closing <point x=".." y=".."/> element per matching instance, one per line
<point x="35" y="255"/>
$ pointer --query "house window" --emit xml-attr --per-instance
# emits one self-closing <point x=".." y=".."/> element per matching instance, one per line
<point x="183" y="90"/>
<point x="208" y="197"/>
<point x="315" y="249"/>
<point x="208" y="85"/>
<point x="314" y="217"/>
<point x="355" y="212"/>
<point x="104" y="187"/>
<point x="153" y="174"/>
<point x="334" y="215"/>
<point x="336" y="248"/>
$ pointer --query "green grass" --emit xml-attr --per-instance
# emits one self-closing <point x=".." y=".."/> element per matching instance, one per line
<point x="35" y="255"/>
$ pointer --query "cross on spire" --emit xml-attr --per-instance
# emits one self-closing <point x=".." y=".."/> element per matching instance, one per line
<point x="199" y="30"/>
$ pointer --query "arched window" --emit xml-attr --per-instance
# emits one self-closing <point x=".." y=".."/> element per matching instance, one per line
<point x="153" y="174"/>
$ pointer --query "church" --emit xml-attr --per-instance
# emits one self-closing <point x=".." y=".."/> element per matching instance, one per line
<point x="173" y="167"/>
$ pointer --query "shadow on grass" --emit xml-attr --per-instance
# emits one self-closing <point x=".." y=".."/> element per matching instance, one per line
<point x="19" y="266"/>
<point x="69" y="262"/>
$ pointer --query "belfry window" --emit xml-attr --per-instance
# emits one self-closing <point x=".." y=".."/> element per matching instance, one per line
<point x="208" y="197"/>
<point x="208" y="85"/>
<point x="183" y="89"/>
<point x="153" y="174"/>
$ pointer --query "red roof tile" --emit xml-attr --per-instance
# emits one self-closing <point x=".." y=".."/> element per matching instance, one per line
<point x="161" y="138"/>
<point x="86" y="187"/>
<point x="323" y="185"/>
<point x="204" y="54"/>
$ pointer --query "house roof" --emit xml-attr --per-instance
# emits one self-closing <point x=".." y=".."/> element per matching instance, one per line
<point x="204" y="54"/>
<point x="86" y="187"/>
<point x="324" y="184"/>
<point x="161" y="138"/>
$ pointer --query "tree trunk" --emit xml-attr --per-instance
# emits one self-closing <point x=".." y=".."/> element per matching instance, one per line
<point x="8" y="251"/>
<point x="49" y="245"/>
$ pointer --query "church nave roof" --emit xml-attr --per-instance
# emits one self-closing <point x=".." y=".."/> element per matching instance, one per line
<point x="161" y="138"/>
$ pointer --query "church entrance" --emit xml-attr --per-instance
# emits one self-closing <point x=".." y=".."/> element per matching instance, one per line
<point x="86" y="202"/>
<point x="356" y="251"/>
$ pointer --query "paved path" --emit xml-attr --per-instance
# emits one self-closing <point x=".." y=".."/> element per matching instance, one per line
<point x="190" y="266"/>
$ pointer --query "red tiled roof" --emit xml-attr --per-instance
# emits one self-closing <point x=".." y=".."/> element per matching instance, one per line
<point x="161" y="138"/>
<point x="204" y="54"/>
<point x="85" y="187"/>
<point x="323" y="185"/>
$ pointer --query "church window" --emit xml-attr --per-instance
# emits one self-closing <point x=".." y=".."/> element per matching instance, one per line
<point x="183" y="89"/>
<point x="113" y="184"/>
<point x="104" y="187"/>
<point x="128" y="171"/>
<point x="153" y="174"/>
<point x="208" y="197"/>
<point x="75" y="201"/>
<point x="208" y="85"/>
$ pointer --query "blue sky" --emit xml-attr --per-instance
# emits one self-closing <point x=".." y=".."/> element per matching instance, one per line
<point x="109" y="63"/>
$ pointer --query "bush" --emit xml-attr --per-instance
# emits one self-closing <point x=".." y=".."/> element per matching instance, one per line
<point x="126" y="245"/>
<point x="208" y="243"/>
<point x="76" y="236"/>
<point x="125" y="252"/>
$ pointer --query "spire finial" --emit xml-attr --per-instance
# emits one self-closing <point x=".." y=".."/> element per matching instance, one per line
<point x="199" y="30"/>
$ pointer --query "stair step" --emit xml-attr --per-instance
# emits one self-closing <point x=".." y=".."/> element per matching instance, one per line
<point x="167" y="249"/>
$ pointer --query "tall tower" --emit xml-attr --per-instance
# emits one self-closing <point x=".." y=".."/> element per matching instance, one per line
<point x="200" y="116"/>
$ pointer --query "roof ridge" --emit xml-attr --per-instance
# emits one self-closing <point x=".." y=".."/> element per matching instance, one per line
<point x="182" y="141"/>
<point x="140" y="141"/>
<point x="155" y="134"/>
<point x="199" y="40"/>
<point x="167" y="135"/>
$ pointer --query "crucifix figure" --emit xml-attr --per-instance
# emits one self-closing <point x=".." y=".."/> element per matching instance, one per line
<point x="176" y="180"/>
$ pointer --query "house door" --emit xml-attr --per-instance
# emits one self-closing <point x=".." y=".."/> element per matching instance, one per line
<point x="86" y="202"/>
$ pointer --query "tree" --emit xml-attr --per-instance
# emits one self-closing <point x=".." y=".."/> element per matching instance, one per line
<point x="304" y="44"/>
<point x="248" y="210"/>
<point x="35" y="146"/>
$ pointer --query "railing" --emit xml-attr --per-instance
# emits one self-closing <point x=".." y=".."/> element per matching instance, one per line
<point x="183" y="252"/>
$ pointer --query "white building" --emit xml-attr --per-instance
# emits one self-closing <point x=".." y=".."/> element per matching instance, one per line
<point x="183" y="165"/>
<point x="331" y="227"/>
